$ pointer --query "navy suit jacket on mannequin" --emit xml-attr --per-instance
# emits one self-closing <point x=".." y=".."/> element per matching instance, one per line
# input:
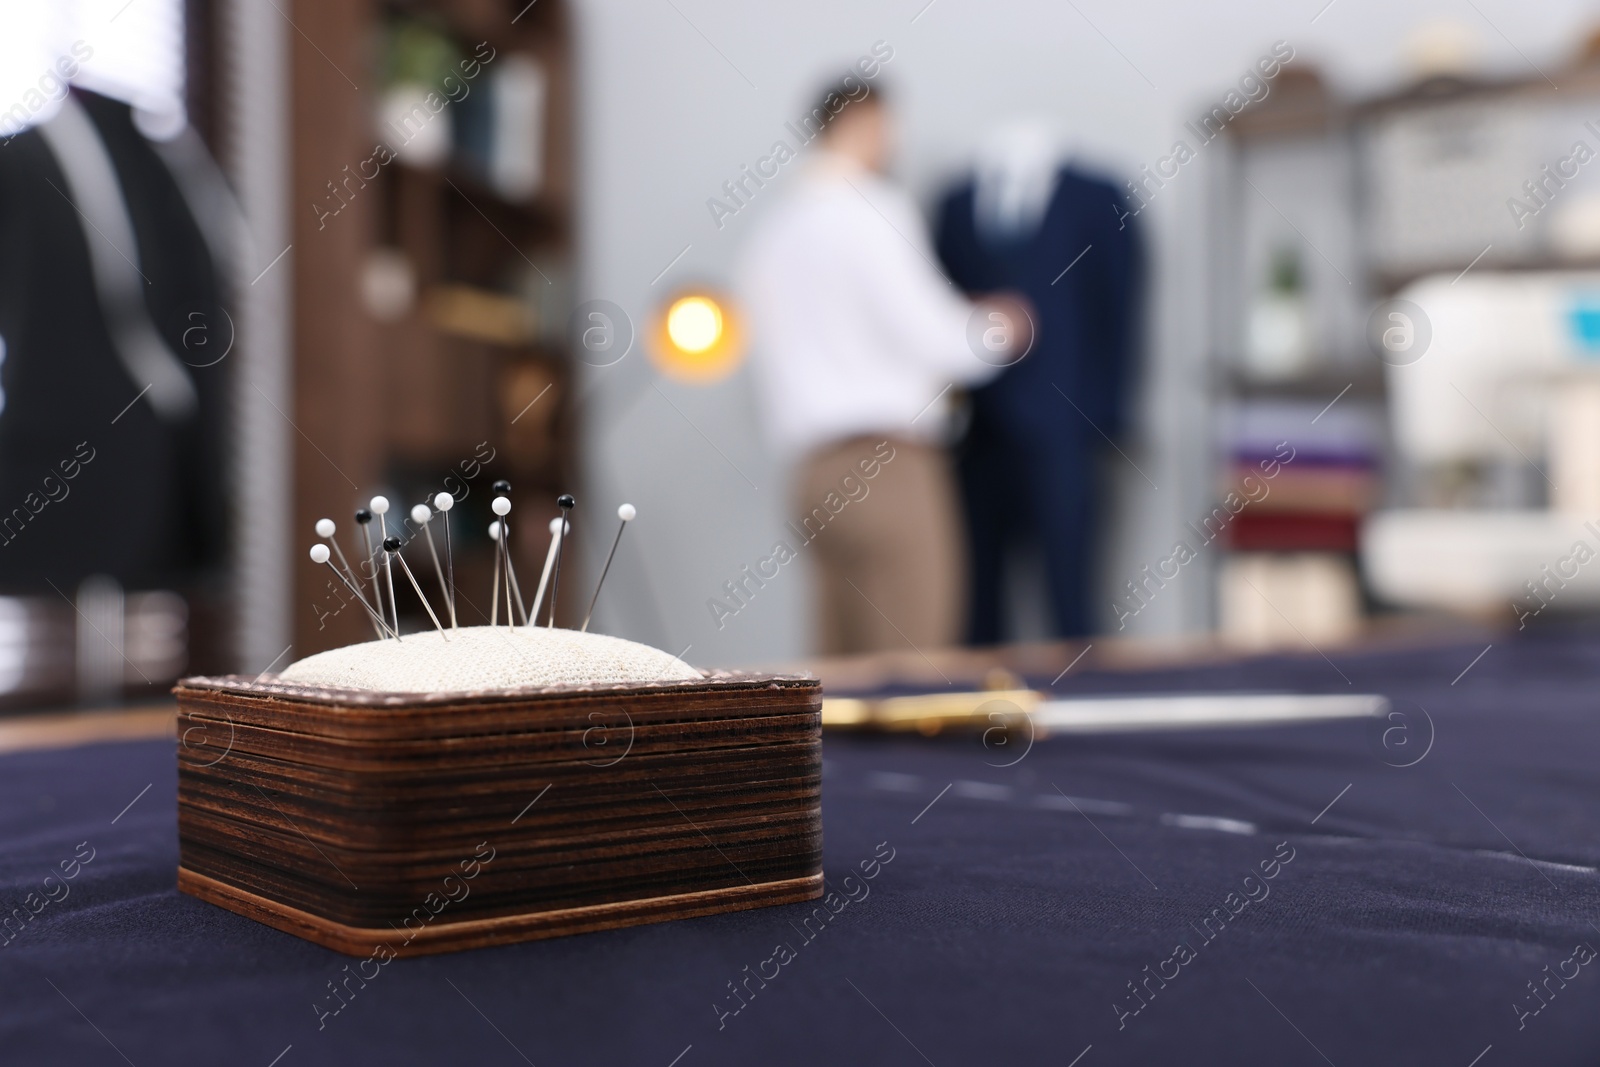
<point x="1027" y="464"/>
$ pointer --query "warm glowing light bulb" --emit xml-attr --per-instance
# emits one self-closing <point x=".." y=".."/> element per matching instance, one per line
<point x="696" y="336"/>
<point x="694" y="323"/>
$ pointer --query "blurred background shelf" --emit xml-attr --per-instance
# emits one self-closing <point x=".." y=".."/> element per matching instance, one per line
<point x="430" y="311"/>
<point x="1350" y="381"/>
<point x="1326" y="210"/>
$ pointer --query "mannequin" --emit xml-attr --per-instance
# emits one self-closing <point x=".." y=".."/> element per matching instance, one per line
<point x="1026" y="220"/>
<point x="110" y="309"/>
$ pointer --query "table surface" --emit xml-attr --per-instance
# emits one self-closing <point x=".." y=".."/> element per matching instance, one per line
<point x="1426" y="870"/>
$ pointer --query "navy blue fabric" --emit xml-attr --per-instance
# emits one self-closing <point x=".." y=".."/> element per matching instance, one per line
<point x="1028" y="462"/>
<point x="1006" y="928"/>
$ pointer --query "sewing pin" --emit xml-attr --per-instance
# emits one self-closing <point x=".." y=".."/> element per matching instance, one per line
<point x="364" y="520"/>
<point x="422" y="515"/>
<point x="443" y="503"/>
<point x="391" y="545"/>
<point x="380" y="508"/>
<point x="494" y="590"/>
<point x="502" y="507"/>
<point x="370" y="568"/>
<point x="566" y="502"/>
<point x="549" y="564"/>
<point x="503" y="487"/>
<point x="325" y="530"/>
<point x="626" y="513"/>
<point x="319" y="554"/>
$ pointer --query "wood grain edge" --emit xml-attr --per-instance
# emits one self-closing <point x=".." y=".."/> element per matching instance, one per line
<point x="503" y="930"/>
<point x="269" y="689"/>
<point x="364" y="722"/>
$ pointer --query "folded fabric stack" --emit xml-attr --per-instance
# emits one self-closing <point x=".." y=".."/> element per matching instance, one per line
<point x="1308" y="475"/>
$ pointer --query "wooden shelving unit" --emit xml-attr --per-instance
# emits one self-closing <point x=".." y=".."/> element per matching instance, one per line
<point x="1410" y="185"/>
<point x="1287" y="238"/>
<point x="425" y="401"/>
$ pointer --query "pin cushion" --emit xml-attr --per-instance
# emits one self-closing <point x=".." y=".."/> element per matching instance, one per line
<point x="484" y="785"/>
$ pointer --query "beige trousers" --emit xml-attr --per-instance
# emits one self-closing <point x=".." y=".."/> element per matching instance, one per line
<point x="886" y="544"/>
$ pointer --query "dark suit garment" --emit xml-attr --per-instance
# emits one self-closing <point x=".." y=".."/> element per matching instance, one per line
<point x="148" y="508"/>
<point x="1027" y="463"/>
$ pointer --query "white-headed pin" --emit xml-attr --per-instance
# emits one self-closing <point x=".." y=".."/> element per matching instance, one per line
<point x="422" y="515"/>
<point x="549" y="565"/>
<point x="442" y="504"/>
<point x="501" y="506"/>
<point x="319" y="555"/>
<point x="380" y="508"/>
<point x="626" y="513"/>
<point x="325" y="530"/>
<point x="503" y="488"/>
<point x="494" y="590"/>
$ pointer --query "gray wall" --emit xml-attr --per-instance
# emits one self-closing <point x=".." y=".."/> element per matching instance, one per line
<point x="677" y="94"/>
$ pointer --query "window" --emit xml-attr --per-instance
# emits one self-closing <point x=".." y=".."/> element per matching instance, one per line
<point x="132" y="50"/>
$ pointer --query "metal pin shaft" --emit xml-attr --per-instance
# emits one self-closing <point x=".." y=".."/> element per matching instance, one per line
<point x="384" y="632"/>
<point x="603" y="572"/>
<point x="413" y="579"/>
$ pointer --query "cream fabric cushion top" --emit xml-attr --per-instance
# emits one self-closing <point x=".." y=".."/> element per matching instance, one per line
<point x="487" y="657"/>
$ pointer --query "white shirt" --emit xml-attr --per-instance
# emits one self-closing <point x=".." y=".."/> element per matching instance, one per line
<point x="855" y="329"/>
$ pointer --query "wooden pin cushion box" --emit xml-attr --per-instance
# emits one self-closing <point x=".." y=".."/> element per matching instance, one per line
<point x="442" y="821"/>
